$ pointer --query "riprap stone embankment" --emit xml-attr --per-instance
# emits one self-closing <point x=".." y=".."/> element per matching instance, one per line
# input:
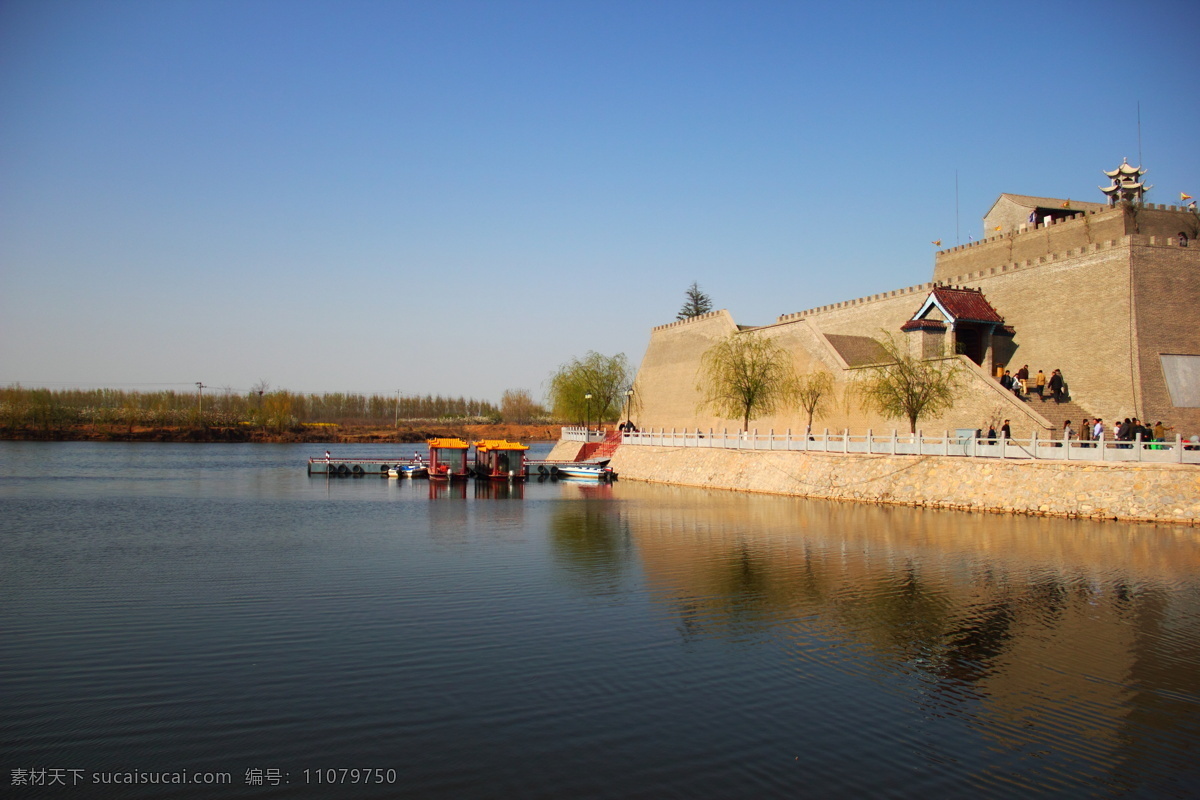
<point x="1152" y="492"/>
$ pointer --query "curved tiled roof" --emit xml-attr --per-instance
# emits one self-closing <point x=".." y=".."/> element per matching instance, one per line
<point x="966" y="305"/>
<point x="923" y="325"/>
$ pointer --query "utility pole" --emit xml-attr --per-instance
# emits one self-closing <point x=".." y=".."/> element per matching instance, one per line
<point x="200" y="387"/>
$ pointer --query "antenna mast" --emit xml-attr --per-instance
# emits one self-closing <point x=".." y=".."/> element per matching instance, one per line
<point x="1139" y="120"/>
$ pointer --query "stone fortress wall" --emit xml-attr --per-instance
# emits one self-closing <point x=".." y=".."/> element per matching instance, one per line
<point x="1084" y="295"/>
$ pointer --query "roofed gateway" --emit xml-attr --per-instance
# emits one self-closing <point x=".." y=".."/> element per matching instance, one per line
<point x="956" y="321"/>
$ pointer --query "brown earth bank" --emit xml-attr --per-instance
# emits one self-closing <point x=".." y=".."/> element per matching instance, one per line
<point x="322" y="434"/>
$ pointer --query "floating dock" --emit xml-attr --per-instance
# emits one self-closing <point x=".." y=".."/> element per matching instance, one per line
<point x="378" y="467"/>
<point x="356" y="467"/>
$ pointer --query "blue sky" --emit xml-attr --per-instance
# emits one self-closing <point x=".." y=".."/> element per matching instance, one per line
<point x="457" y="197"/>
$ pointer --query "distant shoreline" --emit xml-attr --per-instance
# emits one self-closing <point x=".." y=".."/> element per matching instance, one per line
<point x="324" y="434"/>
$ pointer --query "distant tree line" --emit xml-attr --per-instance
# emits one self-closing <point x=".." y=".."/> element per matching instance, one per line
<point x="277" y="409"/>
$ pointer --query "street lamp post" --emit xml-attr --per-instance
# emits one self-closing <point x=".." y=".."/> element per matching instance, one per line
<point x="587" y="419"/>
<point x="628" y="407"/>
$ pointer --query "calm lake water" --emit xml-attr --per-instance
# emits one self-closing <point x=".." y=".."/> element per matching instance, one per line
<point x="203" y="609"/>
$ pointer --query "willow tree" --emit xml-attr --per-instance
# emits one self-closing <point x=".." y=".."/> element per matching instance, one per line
<point x="745" y="375"/>
<point x="813" y="392"/>
<point x="605" y="378"/>
<point x="905" y="386"/>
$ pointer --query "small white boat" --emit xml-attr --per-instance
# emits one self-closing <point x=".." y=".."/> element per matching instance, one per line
<point x="584" y="470"/>
<point x="413" y="471"/>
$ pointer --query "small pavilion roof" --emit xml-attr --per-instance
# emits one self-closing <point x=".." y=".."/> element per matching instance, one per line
<point x="1125" y="169"/>
<point x="960" y="304"/>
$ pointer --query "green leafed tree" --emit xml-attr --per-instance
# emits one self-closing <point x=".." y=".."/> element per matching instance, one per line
<point x="605" y="378"/>
<point x="745" y="375"/>
<point x="695" y="303"/>
<point x="908" y="387"/>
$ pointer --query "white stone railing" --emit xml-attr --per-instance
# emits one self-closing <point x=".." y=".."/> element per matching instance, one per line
<point x="1169" y="452"/>
<point x="578" y="433"/>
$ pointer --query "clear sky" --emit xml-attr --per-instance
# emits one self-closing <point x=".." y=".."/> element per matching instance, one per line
<point x="456" y="197"/>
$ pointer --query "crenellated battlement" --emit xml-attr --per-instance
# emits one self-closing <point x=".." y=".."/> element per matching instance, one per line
<point x="1132" y="239"/>
<point x="690" y="320"/>
<point x="1029" y="244"/>
<point x="918" y="289"/>
<point x="1075" y="219"/>
<point x="966" y="278"/>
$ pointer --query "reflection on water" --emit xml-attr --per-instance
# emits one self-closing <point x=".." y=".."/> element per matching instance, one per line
<point x="213" y="607"/>
<point x="591" y="545"/>
<point x="1047" y="636"/>
<point x="499" y="490"/>
<point x="445" y="490"/>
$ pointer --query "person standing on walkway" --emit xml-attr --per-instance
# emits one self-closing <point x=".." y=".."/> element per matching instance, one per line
<point x="1005" y="430"/>
<point x="1023" y="377"/>
<point x="1039" y="385"/>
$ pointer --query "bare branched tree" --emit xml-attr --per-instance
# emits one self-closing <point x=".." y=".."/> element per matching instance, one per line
<point x="518" y="406"/>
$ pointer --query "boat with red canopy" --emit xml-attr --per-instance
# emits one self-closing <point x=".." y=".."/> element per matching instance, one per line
<point x="448" y="459"/>
<point x="500" y="458"/>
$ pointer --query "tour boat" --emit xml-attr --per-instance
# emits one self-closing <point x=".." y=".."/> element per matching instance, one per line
<point x="448" y="459"/>
<point x="500" y="459"/>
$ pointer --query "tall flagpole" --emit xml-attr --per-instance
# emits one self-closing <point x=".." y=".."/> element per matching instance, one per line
<point x="957" y="239"/>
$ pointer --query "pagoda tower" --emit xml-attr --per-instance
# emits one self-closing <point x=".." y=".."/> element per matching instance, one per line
<point x="1126" y="184"/>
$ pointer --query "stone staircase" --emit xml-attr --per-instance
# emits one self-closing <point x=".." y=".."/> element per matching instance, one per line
<point x="1058" y="413"/>
<point x="593" y="451"/>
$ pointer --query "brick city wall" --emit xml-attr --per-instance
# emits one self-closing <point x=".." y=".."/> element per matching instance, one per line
<point x="1026" y="247"/>
<point x="1167" y="309"/>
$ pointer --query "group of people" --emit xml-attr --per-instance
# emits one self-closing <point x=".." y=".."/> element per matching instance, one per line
<point x="1023" y="386"/>
<point x="1126" y="430"/>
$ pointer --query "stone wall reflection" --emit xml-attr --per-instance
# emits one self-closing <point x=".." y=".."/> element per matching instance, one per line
<point x="1028" y="626"/>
